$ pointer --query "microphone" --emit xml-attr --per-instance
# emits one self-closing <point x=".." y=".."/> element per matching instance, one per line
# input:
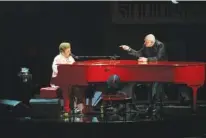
<point x="115" y="57"/>
<point x="74" y="56"/>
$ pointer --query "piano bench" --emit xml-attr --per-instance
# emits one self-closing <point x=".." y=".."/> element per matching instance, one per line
<point x="50" y="92"/>
<point x="115" y="99"/>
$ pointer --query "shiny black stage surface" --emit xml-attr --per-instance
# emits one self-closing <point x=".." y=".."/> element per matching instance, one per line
<point x="94" y="126"/>
<point x="174" y="121"/>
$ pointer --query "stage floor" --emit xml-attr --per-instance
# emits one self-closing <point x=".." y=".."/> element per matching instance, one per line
<point x="93" y="126"/>
<point x="99" y="126"/>
<point x="175" y="121"/>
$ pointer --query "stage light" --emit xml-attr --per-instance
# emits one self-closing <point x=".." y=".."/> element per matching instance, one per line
<point x="25" y="75"/>
<point x="25" y="87"/>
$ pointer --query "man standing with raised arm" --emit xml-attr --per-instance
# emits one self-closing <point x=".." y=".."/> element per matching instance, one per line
<point x="152" y="50"/>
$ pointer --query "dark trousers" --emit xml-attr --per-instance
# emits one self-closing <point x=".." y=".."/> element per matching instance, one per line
<point x="155" y="91"/>
<point x="76" y="96"/>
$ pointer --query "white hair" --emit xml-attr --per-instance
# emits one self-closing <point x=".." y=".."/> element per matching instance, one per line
<point x="150" y="37"/>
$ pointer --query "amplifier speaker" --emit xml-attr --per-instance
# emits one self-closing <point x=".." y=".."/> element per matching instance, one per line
<point x="13" y="109"/>
<point x="45" y="108"/>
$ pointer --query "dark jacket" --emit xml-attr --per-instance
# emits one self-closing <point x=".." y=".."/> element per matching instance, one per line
<point x="154" y="53"/>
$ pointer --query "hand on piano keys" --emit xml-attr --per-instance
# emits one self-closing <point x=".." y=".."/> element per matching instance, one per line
<point x="142" y="59"/>
<point x="142" y="62"/>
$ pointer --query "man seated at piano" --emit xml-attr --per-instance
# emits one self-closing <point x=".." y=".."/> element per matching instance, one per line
<point x="64" y="57"/>
<point x="152" y="50"/>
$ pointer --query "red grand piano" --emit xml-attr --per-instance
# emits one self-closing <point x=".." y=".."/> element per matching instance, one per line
<point x="93" y="71"/>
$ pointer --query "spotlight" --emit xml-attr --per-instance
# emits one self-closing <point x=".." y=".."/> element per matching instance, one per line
<point x="25" y="86"/>
<point x="25" y="75"/>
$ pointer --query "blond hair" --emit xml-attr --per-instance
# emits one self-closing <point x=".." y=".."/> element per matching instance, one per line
<point x="63" y="46"/>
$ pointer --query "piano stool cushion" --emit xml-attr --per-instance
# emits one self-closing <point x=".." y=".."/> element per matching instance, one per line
<point x="49" y="92"/>
<point x="115" y="98"/>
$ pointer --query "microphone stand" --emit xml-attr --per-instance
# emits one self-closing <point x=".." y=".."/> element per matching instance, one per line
<point x="96" y="57"/>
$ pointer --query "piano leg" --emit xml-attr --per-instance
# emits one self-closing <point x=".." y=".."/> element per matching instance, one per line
<point x="194" y="93"/>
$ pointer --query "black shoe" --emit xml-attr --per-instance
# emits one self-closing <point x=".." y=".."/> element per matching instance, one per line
<point x="151" y="110"/>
